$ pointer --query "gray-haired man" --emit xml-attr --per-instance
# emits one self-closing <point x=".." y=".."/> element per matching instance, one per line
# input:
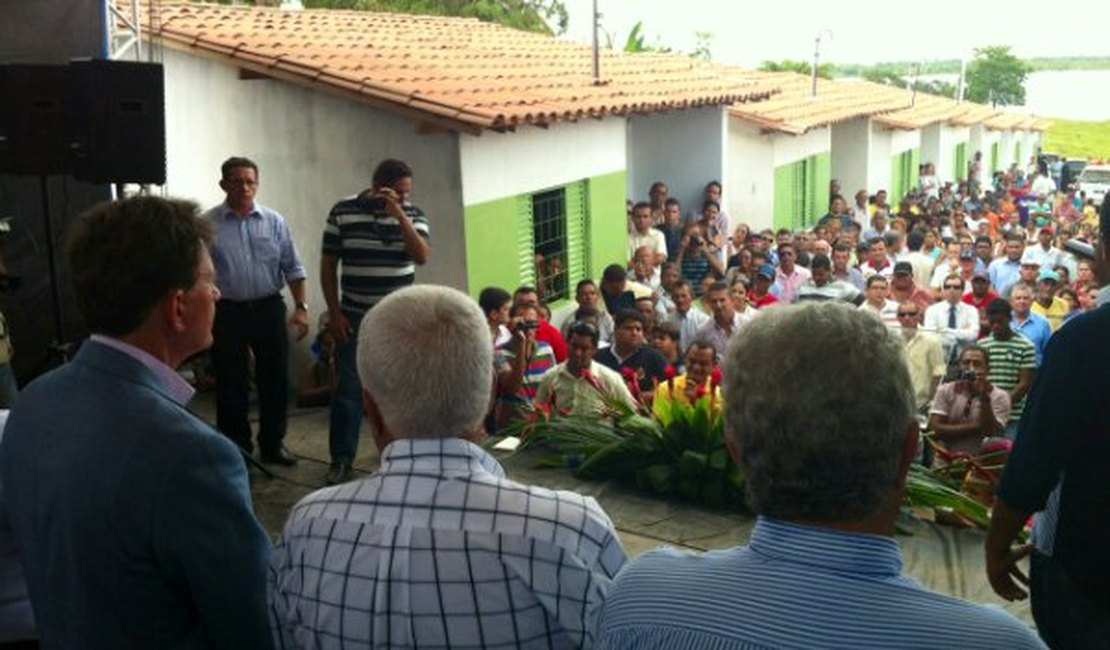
<point x="438" y="548"/>
<point x="826" y="478"/>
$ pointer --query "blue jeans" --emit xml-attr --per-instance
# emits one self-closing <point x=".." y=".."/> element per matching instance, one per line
<point x="8" y="389"/>
<point x="1066" y="616"/>
<point x="1011" y="430"/>
<point x="346" y="402"/>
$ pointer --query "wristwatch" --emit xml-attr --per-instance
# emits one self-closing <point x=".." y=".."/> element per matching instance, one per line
<point x="303" y="306"/>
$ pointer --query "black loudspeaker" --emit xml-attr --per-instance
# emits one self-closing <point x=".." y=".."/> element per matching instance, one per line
<point x="35" y="119"/>
<point x="119" y="134"/>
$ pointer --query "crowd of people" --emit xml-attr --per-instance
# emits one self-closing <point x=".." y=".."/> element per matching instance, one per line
<point x="951" y="307"/>
<point x="953" y="269"/>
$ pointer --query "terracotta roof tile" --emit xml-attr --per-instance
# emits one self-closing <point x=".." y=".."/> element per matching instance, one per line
<point x="471" y="74"/>
<point x="795" y="110"/>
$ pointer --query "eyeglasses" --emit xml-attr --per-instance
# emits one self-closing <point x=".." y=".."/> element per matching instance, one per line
<point x="907" y="314"/>
<point x="953" y="286"/>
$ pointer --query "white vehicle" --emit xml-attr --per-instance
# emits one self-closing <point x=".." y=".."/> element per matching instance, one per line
<point x="1094" y="180"/>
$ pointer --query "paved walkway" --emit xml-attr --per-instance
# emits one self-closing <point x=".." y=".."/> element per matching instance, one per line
<point x="943" y="558"/>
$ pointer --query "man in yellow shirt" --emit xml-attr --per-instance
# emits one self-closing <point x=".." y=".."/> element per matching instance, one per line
<point x="701" y="361"/>
<point x="1047" y="303"/>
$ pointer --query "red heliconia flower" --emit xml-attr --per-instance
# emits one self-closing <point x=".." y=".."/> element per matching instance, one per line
<point x="670" y="372"/>
<point x="701" y="392"/>
<point x="628" y="374"/>
<point x="716" y="377"/>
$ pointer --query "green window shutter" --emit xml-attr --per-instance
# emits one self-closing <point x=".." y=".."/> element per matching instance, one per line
<point x="822" y="166"/>
<point x="914" y="171"/>
<point x="525" y="244"/>
<point x="578" y="266"/>
<point x="994" y="158"/>
<point x="961" y="161"/>
<point x="897" y="189"/>
<point x="784" y="195"/>
<point x="1017" y="155"/>
<point x="800" y="197"/>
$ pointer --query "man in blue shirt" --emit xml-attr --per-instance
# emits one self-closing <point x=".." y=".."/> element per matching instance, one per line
<point x="826" y="478"/>
<point x="254" y="257"/>
<point x="1004" y="271"/>
<point x="1034" y="327"/>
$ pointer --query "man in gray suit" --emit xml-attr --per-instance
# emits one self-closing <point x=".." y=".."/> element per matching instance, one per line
<point x="133" y="518"/>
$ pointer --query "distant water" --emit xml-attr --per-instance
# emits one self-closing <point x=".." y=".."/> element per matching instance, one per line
<point x="1066" y="94"/>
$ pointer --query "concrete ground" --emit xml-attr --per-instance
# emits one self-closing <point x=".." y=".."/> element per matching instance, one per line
<point x="945" y="559"/>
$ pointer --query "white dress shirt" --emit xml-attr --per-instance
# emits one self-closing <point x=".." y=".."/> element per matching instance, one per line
<point x="966" y="331"/>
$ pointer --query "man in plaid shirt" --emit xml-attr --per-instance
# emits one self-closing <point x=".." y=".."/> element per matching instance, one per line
<point x="437" y="549"/>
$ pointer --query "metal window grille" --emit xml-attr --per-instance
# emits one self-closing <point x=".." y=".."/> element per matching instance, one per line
<point x="549" y="234"/>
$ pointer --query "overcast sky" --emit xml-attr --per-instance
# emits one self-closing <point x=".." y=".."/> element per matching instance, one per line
<point x="863" y="31"/>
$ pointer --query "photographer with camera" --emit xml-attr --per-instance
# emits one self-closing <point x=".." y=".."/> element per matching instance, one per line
<point x="697" y="258"/>
<point x="519" y="363"/>
<point x="970" y="409"/>
<point x="380" y="238"/>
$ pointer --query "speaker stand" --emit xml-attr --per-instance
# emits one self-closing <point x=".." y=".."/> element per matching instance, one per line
<point x="58" y="351"/>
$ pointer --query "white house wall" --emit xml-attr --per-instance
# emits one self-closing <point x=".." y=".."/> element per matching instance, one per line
<point x="498" y="165"/>
<point x="878" y="163"/>
<point x="851" y="150"/>
<point x="950" y="138"/>
<point x="312" y="148"/>
<point x="792" y="148"/>
<point x="1006" y="149"/>
<point x="750" y="186"/>
<point x="984" y="139"/>
<point x="931" y="148"/>
<point x="684" y="149"/>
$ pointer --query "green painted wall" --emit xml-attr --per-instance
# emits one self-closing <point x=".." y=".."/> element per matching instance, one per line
<point x="496" y="254"/>
<point x="491" y="245"/>
<point x="607" y="220"/>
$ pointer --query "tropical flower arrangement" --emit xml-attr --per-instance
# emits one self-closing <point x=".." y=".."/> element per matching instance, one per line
<point x="678" y="449"/>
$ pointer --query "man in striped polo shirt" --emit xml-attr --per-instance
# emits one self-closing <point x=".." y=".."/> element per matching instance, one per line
<point x="826" y="477"/>
<point x="379" y="237"/>
<point x="1012" y="358"/>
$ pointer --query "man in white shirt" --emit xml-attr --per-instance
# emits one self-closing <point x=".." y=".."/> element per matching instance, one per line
<point x="644" y="235"/>
<point x="688" y="317"/>
<point x="955" y="321"/>
<point x="437" y="548"/>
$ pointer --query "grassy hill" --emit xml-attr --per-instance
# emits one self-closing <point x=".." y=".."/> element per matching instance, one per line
<point x="1078" y="139"/>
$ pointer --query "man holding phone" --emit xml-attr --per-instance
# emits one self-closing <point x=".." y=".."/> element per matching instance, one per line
<point x="380" y="238"/>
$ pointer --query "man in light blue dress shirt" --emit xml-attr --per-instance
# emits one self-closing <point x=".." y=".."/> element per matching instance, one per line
<point x="254" y="257"/>
<point x="826" y="477"/>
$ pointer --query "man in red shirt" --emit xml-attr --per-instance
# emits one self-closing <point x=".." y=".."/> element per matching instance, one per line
<point x="979" y="297"/>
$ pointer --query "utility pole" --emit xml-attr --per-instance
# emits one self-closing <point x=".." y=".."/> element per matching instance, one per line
<point x="817" y="58"/>
<point x="963" y="73"/>
<point x="595" y="17"/>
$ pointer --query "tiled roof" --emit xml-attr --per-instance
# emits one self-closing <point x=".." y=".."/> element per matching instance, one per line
<point x="928" y="109"/>
<point x="458" y="73"/>
<point x="795" y="110"/>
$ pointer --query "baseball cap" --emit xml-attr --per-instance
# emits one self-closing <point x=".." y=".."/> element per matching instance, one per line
<point x="980" y="275"/>
<point x="1049" y="230"/>
<point x="967" y="255"/>
<point x="903" y="267"/>
<point x="1048" y="275"/>
<point x="766" y="271"/>
<point x="1029" y="258"/>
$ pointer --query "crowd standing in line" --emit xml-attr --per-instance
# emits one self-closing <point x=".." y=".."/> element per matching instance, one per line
<point x="950" y="306"/>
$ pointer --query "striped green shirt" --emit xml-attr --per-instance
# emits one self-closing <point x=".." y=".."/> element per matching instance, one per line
<point x="1007" y="359"/>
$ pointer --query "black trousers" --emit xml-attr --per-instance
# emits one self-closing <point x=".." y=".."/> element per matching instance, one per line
<point x="258" y="326"/>
<point x="1067" y="618"/>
